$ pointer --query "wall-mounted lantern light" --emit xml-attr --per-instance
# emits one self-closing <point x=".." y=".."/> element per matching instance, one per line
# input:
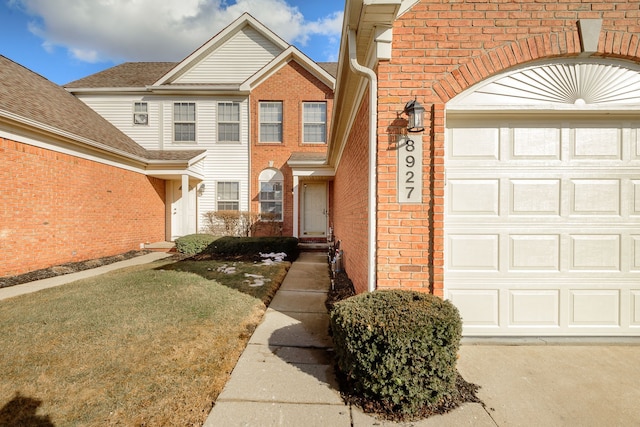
<point x="415" y="111"/>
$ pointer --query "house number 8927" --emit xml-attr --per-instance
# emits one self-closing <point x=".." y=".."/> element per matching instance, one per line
<point x="410" y="169"/>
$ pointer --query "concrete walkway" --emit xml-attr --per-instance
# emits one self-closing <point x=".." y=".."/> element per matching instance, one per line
<point x="285" y="376"/>
<point x="25" y="288"/>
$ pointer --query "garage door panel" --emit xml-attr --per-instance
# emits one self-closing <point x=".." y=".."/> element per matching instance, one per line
<point x="534" y="253"/>
<point x="536" y="143"/>
<point x="595" y="196"/>
<point x="635" y="254"/>
<point x="635" y="307"/>
<point x="474" y="197"/>
<point x="594" y="308"/>
<point x="592" y="143"/>
<point x="595" y="252"/>
<point x="534" y="197"/>
<point x="535" y="307"/>
<point x="478" y="307"/>
<point x="475" y="143"/>
<point x="635" y="210"/>
<point x="473" y="252"/>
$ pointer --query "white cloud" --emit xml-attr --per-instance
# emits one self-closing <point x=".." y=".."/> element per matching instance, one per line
<point x="168" y="30"/>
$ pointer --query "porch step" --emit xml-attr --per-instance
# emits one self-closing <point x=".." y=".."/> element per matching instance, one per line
<point x="161" y="247"/>
<point x="306" y="246"/>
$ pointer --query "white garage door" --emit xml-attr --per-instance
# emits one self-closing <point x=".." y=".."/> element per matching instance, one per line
<point x="542" y="225"/>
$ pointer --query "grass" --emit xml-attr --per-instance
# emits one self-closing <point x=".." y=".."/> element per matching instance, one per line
<point x="149" y="345"/>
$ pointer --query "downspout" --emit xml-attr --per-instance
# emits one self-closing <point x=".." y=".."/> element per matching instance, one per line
<point x="373" y="152"/>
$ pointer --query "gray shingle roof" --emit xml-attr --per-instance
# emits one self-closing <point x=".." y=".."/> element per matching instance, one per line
<point x="330" y="67"/>
<point x="129" y="74"/>
<point x="30" y="96"/>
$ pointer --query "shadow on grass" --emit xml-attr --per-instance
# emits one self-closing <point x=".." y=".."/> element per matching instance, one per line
<point x="21" y="411"/>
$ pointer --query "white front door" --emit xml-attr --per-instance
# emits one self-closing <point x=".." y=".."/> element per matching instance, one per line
<point x="182" y="221"/>
<point x="314" y="209"/>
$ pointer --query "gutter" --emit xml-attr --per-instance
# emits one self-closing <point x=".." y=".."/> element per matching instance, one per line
<point x="373" y="153"/>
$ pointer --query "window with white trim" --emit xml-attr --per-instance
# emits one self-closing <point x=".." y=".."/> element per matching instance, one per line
<point x="140" y="113"/>
<point x="184" y="122"/>
<point x="314" y="117"/>
<point x="271" y="121"/>
<point x="271" y="183"/>
<point x="228" y="122"/>
<point x="228" y="195"/>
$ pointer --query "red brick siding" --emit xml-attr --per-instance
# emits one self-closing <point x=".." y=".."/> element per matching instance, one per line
<point x="439" y="50"/>
<point x="350" y="206"/>
<point x="58" y="208"/>
<point x="292" y="85"/>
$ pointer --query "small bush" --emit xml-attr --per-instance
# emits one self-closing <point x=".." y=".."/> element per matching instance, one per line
<point x="193" y="244"/>
<point x="251" y="247"/>
<point x="229" y="223"/>
<point x="398" y="348"/>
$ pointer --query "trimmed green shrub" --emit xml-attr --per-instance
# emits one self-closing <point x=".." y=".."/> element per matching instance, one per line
<point x="193" y="244"/>
<point x="251" y="247"/>
<point x="398" y="348"/>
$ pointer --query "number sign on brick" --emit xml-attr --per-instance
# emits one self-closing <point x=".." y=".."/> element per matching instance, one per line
<point x="410" y="169"/>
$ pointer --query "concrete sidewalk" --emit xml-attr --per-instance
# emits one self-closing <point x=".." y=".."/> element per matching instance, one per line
<point x="25" y="288"/>
<point x="285" y="376"/>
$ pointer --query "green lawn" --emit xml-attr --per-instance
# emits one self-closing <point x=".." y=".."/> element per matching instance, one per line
<point x="149" y="345"/>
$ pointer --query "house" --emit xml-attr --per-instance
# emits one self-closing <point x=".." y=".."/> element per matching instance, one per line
<point x="252" y="102"/>
<point x="486" y="152"/>
<point x="74" y="186"/>
<point x="520" y="199"/>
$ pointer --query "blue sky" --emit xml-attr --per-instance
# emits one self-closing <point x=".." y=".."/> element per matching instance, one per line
<point x="64" y="40"/>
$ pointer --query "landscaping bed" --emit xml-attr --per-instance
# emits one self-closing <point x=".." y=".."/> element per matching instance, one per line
<point x="70" y="267"/>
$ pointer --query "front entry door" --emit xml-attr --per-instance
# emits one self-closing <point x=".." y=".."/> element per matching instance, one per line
<point x="181" y="225"/>
<point x="314" y="216"/>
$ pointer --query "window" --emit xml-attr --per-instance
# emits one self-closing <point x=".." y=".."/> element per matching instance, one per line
<point x="140" y="113"/>
<point x="184" y="122"/>
<point x="271" y="122"/>
<point x="271" y="194"/>
<point x="228" y="122"/>
<point x="228" y="196"/>
<point x="314" y="116"/>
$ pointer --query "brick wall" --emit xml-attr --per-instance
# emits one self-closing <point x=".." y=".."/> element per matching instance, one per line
<point x="351" y="201"/>
<point x="292" y="85"/>
<point x="441" y="49"/>
<point x="58" y="208"/>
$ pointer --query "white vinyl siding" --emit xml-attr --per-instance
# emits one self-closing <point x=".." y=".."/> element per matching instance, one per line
<point x="235" y="61"/>
<point x="228" y="122"/>
<point x="314" y="117"/>
<point x="184" y="122"/>
<point x="270" y="121"/>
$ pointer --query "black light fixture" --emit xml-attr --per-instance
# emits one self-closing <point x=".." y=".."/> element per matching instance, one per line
<point x="415" y="111"/>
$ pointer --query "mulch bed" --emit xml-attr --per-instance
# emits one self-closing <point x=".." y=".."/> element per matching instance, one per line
<point x="342" y="288"/>
<point x="70" y="267"/>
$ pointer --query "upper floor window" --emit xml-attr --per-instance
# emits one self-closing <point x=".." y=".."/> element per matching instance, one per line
<point x="184" y="122"/>
<point x="271" y="122"/>
<point x="228" y="194"/>
<point x="314" y="117"/>
<point x="271" y="181"/>
<point x="228" y="122"/>
<point x="140" y="113"/>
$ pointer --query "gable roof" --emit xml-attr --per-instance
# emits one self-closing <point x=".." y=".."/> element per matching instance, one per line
<point x="30" y="101"/>
<point x="219" y="40"/>
<point x="233" y="41"/>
